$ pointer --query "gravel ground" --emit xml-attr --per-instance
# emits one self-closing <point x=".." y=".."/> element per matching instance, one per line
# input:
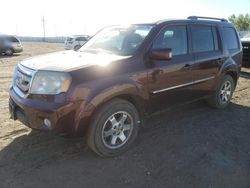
<point x="190" y="146"/>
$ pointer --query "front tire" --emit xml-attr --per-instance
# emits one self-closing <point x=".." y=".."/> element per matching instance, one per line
<point x="222" y="96"/>
<point x="114" y="128"/>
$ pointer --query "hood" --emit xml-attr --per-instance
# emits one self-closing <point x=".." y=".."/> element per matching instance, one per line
<point x="69" y="60"/>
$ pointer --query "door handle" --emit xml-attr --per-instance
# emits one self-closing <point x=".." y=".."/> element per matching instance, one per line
<point x="220" y="60"/>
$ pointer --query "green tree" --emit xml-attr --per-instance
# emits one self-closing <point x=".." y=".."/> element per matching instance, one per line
<point x="241" y="22"/>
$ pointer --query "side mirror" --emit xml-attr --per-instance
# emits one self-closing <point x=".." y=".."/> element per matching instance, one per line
<point x="161" y="54"/>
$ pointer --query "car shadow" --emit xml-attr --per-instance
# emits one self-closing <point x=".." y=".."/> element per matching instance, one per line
<point x="7" y="57"/>
<point x="190" y="146"/>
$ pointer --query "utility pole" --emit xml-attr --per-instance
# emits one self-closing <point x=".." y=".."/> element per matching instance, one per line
<point x="43" y="21"/>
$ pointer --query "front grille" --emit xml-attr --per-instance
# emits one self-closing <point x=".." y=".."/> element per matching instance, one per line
<point x="246" y="50"/>
<point x="22" y="80"/>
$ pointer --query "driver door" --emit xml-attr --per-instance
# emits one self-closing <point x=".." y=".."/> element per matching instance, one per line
<point x="170" y="81"/>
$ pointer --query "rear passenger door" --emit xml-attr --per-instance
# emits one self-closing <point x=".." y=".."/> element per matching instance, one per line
<point x="208" y="54"/>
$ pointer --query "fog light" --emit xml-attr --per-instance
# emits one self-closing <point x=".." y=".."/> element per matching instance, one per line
<point x="47" y="123"/>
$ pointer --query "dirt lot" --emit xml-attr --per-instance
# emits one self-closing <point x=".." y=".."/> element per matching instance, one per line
<point x="190" y="146"/>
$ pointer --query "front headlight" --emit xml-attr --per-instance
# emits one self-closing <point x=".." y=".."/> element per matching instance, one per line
<point x="50" y="83"/>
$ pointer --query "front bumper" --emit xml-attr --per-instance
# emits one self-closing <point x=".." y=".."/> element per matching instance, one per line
<point x="18" y="49"/>
<point x="65" y="118"/>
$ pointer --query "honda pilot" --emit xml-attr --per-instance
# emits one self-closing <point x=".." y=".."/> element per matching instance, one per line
<point x="107" y="88"/>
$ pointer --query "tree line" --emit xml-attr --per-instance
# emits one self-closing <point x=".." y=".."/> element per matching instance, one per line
<point x="241" y="22"/>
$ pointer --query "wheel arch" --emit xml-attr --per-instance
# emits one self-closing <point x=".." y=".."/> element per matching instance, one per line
<point x="127" y="91"/>
<point x="137" y="100"/>
<point x="230" y="67"/>
<point x="234" y="75"/>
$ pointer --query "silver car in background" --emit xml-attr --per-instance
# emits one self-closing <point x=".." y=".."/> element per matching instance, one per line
<point x="10" y="45"/>
<point x="75" y="42"/>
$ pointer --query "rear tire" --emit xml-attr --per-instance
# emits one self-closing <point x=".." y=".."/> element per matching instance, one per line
<point x="9" y="52"/>
<point x="222" y="96"/>
<point x="114" y="128"/>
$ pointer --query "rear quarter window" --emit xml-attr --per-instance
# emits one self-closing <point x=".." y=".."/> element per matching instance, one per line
<point x="230" y="38"/>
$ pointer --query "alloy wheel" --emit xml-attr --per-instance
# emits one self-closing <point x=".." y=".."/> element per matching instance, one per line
<point x="117" y="130"/>
<point x="225" y="92"/>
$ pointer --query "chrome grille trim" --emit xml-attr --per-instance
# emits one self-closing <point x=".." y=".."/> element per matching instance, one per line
<point x="22" y="80"/>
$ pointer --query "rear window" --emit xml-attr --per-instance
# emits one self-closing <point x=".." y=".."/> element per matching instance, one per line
<point x="230" y="38"/>
<point x="13" y="39"/>
<point x="203" y="39"/>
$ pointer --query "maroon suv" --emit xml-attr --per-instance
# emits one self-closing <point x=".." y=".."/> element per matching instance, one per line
<point x="122" y="75"/>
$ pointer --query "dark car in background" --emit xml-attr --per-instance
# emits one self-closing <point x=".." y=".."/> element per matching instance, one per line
<point x="246" y="50"/>
<point x="10" y="45"/>
<point x="123" y="74"/>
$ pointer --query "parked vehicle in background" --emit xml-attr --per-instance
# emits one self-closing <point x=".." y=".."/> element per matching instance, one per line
<point x="125" y="73"/>
<point x="246" y="50"/>
<point x="10" y="45"/>
<point x="75" y="42"/>
<point x="242" y="34"/>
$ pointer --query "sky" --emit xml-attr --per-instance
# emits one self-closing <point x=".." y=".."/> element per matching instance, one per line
<point x="72" y="17"/>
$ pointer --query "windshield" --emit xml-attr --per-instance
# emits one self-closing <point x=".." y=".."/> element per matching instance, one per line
<point x="118" y="40"/>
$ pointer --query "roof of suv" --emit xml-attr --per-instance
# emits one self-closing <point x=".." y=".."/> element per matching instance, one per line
<point x="197" y="19"/>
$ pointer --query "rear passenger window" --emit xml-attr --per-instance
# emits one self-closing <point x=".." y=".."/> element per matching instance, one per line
<point x="172" y="37"/>
<point x="230" y="38"/>
<point x="203" y="39"/>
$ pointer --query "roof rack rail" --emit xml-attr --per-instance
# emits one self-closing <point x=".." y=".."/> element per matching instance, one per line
<point x="206" y="18"/>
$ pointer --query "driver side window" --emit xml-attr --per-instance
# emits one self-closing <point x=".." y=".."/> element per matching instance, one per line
<point x="174" y="37"/>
